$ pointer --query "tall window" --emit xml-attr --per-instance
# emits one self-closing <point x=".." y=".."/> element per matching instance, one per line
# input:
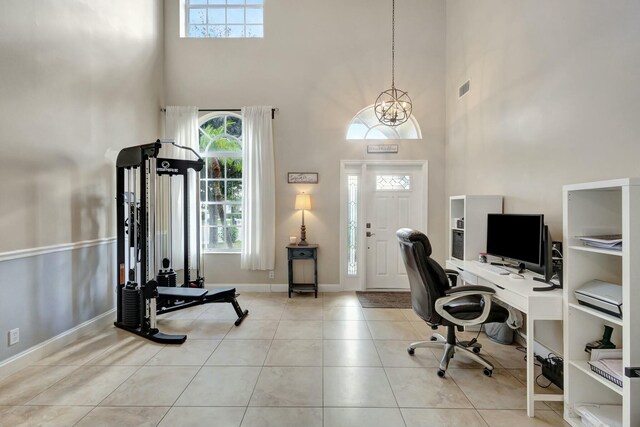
<point x="352" y="225"/>
<point x="221" y="182"/>
<point x="224" y="18"/>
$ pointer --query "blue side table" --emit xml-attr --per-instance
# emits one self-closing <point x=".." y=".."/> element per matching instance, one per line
<point x="295" y="252"/>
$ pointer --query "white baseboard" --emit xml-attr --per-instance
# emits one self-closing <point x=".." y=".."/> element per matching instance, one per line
<point x="330" y="287"/>
<point x="271" y="287"/>
<point x="52" y="345"/>
<point x="241" y="287"/>
<point x="321" y="288"/>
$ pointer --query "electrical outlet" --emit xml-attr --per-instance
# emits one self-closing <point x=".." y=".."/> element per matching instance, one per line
<point x="272" y="274"/>
<point x="14" y="336"/>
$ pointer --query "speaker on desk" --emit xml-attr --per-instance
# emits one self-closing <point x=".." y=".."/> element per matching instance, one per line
<point x="457" y="244"/>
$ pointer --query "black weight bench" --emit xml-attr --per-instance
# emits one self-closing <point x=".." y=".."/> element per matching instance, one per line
<point x="176" y="298"/>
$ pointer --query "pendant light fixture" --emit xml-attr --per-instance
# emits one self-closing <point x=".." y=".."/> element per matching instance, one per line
<point x="393" y="106"/>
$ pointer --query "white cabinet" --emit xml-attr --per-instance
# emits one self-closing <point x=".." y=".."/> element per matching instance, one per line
<point x="473" y="235"/>
<point x="608" y="207"/>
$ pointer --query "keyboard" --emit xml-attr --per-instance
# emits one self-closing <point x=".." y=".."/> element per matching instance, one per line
<point x="494" y="269"/>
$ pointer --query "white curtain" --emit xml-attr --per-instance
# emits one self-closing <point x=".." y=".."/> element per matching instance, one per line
<point x="181" y="125"/>
<point x="258" y="190"/>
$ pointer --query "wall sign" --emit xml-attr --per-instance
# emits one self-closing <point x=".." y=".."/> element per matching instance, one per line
<point x="383" y="148"/>
<point x="302" y="178"/>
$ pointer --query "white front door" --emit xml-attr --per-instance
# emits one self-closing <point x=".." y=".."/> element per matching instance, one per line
<point x="394" y="197"/>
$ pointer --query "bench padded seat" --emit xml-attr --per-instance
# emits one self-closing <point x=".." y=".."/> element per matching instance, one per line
<point x="193" y="294"/>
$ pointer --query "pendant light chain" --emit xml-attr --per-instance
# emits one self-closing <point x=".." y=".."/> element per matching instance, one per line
<point x="393" y="43"/>
<point x="393" y="106"/>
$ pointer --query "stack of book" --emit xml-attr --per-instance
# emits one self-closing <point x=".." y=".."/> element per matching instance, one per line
<point x="606" y="241"/>
<point x="608" y="364"/>
<point x="594" y="414"/>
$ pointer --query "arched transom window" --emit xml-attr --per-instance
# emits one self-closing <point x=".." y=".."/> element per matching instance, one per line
<point x="365" y="125"/>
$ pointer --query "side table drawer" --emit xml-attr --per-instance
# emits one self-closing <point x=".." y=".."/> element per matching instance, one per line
<point x="301" y="253"/>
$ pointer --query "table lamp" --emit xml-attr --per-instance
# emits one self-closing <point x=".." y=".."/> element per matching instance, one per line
<point x="303" y="202"/>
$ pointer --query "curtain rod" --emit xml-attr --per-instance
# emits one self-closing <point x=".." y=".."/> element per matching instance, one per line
<point x="233" y="110"/>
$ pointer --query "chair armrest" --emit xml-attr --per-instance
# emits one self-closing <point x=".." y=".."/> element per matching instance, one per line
<point x="465" y="291"/>
<point x="453" y="276"/>
<point x="475" y="288"/>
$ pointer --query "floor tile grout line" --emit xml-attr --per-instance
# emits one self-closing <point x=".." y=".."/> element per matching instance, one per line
<point x="470" y="401"/>
<point x="186" y="387"/>
<point x="77" y="368"/>
<point x="107" y="396"/>
<point x="201" y="366"/>
<point x="463" y="392"/>
<point x="321" y="361"/>
<point x="256" y="384"/>
<point x="204" y="364"/>
<point x="84" y="416"/>
<point x="246" y="409"/>
<point x="512" y="373"/>
<point x="483" y="418"/>
<point x="386" y="375"/>
<point x="82" y="364"/>
<point x="466" y="396"/>
<point x="322" y="371"/>
<point x="188" y="384"/>
<point x="54" y="383"/>
<point x="164" y="415"/>
<point x="118" y="386"/>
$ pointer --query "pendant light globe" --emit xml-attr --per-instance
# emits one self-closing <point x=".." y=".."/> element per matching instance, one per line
<point x="393" y="107"/>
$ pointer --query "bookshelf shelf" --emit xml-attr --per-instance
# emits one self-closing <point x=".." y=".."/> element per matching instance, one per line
<point x="596" y="250"/>
<point x="596" y="313"/>
<point x="593" y="209"/>
<point x="584" y="367"/>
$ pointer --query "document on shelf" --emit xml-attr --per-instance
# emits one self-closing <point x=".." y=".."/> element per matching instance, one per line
<point x="608" y="364"/>
<point x="606" y="353"/>
<point x="615" y="366"/>
<point x="605" y="241"/>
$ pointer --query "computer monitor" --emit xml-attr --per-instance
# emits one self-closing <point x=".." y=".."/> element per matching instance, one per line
<point x="547" y="267"/>
<point x="516" y="237"/>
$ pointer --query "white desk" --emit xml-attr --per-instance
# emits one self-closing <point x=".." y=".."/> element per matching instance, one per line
<point x="519" y="294"/>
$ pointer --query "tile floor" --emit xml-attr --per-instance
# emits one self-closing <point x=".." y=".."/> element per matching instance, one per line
<point x="300" y="362"/>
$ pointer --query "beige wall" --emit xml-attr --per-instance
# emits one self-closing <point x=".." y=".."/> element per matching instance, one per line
<point x="78" y="80"/>
<point x="554" y="100"/>
<point x="319" y="63"/>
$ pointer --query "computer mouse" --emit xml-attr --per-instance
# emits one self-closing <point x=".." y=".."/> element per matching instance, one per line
<point x="515" y="276"/>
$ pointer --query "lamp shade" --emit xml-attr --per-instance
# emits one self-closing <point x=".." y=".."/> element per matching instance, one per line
<point x="303" y="201"/>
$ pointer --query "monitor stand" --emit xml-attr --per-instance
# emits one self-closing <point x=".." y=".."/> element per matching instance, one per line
<point x="551" y="286"/>
<point x="520" y="266"/>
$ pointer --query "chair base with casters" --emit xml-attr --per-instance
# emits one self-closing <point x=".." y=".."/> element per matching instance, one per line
<point x="469" y="349"/>
<point x="437" y="300"/>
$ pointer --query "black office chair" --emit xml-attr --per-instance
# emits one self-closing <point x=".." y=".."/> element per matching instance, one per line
<point x="438" y="303"/>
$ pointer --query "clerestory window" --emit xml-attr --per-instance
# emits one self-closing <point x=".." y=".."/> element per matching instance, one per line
<point x="224" y="18"/>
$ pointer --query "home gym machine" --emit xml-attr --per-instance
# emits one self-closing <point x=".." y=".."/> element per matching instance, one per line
<point x="146" y="289"/>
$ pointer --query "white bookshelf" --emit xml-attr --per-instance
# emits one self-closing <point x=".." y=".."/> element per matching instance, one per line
<point x="474" y="210"/>
<point x="606" y="207"/>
